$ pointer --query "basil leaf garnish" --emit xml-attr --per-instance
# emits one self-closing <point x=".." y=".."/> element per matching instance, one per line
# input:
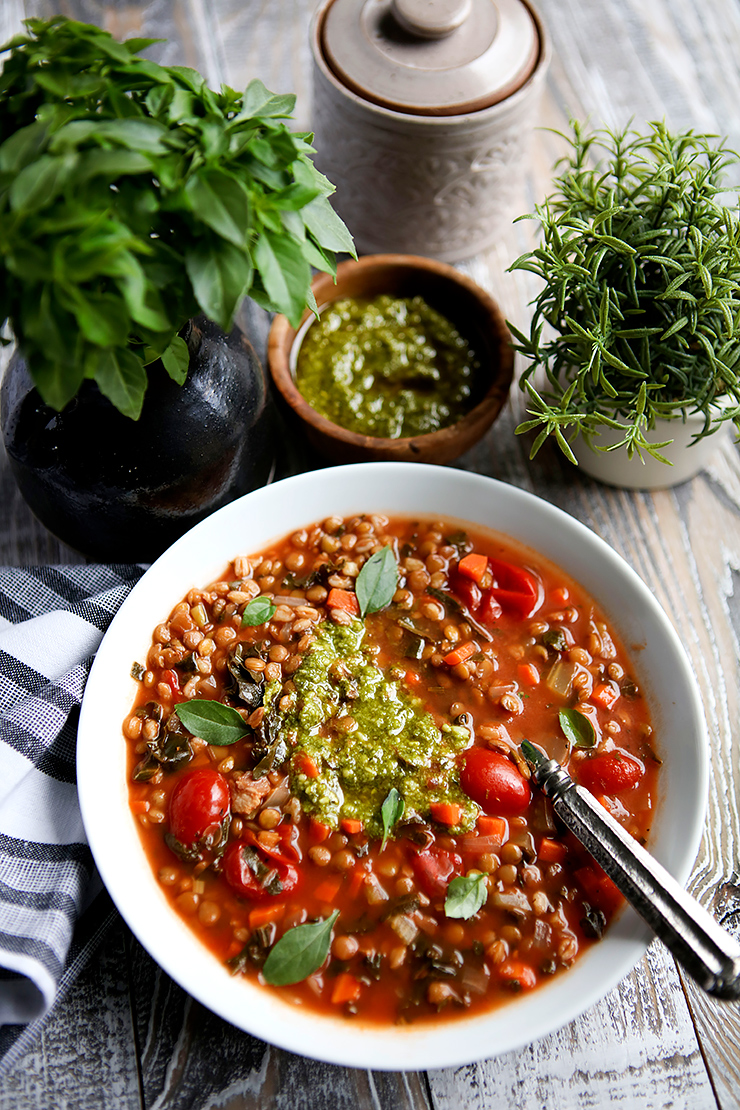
<point x="465" y="896"/>
<point x="377" y="581"/>
<point x="299" y="952"/>
<point x="577" y="728"/>
<point x="214" y="722"/>
<point x="258" y="611"/>
<point x="391" y="812"/>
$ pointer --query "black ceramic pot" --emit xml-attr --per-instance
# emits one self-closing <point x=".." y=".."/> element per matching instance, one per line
<point x="121" y="490"/>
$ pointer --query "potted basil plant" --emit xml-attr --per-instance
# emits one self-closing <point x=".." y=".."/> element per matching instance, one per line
<point x="632" y="354"/>
<point x="138" y="208"/>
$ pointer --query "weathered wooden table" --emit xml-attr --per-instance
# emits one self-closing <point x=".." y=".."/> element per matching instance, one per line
<point x="128" y="1037"/>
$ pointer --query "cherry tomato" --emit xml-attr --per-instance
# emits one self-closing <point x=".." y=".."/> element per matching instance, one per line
<point x="610" y="772"/>
<point x="199" y="802"/>
<point x="492" y="780"/>
<point x="434" y="868"/>
<point x="257" y="874"/>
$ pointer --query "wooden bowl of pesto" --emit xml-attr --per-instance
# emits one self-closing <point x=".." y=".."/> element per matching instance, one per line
<point x="409" y="360"/>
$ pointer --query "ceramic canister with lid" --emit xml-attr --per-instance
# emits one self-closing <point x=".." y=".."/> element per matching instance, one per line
<point x="423" y="111"/>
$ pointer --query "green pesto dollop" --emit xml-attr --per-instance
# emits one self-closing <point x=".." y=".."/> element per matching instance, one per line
<point x="396" y="743"/>
<point x="386" y="367"/>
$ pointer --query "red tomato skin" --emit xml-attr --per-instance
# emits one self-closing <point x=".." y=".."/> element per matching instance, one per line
<point x="243" y="881"/>
<point x="515" y="589"/>
<point x="610" y="772"/>
<point x="434" y="868"/>
<point x="466" y="589"/>
<point x="492" y="780"/>
<point x="199" y="801"/>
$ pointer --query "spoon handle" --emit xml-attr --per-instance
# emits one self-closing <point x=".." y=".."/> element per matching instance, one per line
<point x="708" y="952"/>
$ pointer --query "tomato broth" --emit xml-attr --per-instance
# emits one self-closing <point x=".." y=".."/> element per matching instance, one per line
<point x="324" y="764"/>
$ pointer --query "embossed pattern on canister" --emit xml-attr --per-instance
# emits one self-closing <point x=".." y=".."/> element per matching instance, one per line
<point x="440" y="185"/>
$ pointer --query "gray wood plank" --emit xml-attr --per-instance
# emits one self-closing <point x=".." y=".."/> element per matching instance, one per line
<point x="637" y="1047"/>
<point x="84" y="1058"/>
<point x="192" y="1059"/>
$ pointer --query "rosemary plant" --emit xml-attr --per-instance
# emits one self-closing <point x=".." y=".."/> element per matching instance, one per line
<point x="639" y="315"/>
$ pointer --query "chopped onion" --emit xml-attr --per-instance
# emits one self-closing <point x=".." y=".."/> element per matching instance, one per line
<point x="278" y="599"/>
<point x="560" y="677"/>
<point x="524" y="839"/>
<point x="497" y="691"/>
<point x="542" y="937"/>
<point x="479" y="844"/>
<point x="513" y="901"/>
<point x="475" y="979"/>
<point x="374" y="892"/>
<point x="278" y="796"/>
<point x="405" y="929"/>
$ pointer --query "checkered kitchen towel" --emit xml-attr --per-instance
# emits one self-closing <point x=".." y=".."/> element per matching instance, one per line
<point x="52" y="906"/>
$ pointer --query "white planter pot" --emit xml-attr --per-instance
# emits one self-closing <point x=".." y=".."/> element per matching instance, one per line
<point x="687" y="458"/>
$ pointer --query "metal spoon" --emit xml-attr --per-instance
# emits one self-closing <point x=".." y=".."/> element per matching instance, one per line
<point x="709" y="954"/>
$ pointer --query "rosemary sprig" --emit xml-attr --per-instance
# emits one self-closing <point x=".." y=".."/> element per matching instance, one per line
<point x="639" y="316"/>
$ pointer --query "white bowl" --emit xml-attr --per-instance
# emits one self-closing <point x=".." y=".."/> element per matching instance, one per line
<point x="407" y="489"/>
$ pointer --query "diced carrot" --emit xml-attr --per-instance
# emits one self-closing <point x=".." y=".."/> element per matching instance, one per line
<point x="234" y="949"/>
<point x="263" y="915"/>
<point x="552" y="851"/>
<point x="142" y="806"/>
<point x="356" y="879"/>
<point x="492" y="826"/>
<point x="519" y="974"/>
<point x="460" y="653"/>
<point x="305" y="764"/>
<point x="473" y="566"/>
<point x="446" y="813"/>
<point x="413" y="678"/>
<point x="605" y="695"/>
<point x="328" y="889"/>
<point x="559" y="595"/>
<point x="343" y="599"/>
<point x="346" y="989"/>
<point x="599" y="888"/>
<point x="350" y="825"/>
<point x="318" y="832"/>
<point x="528" y="674"/>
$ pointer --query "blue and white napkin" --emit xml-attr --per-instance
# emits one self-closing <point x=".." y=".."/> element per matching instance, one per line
<point x="52" y="906"/>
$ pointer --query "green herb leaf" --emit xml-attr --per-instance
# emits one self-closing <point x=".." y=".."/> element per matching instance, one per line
<point x="326" y="227"/>
<point x="391" y="813"/>
<point x="212" y="721"/>
<point x="465" y="896"/>
<point x="377" y="581"/>
<point x="122" y="379"/>
<point x="176" y="360"/>
<point x="258" y="611"/>
<point x="139" y="198"/>
<point x="577" y="728"/>
<point x="299" y="952"/>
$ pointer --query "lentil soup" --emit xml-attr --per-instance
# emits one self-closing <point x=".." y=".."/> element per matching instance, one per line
<point x="324" y="764"/>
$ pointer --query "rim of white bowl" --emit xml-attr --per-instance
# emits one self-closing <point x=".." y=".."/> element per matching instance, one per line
<point x="401" y="489"/>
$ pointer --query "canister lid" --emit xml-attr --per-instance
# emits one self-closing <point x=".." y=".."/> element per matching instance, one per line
<point x="431" y="57"/>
